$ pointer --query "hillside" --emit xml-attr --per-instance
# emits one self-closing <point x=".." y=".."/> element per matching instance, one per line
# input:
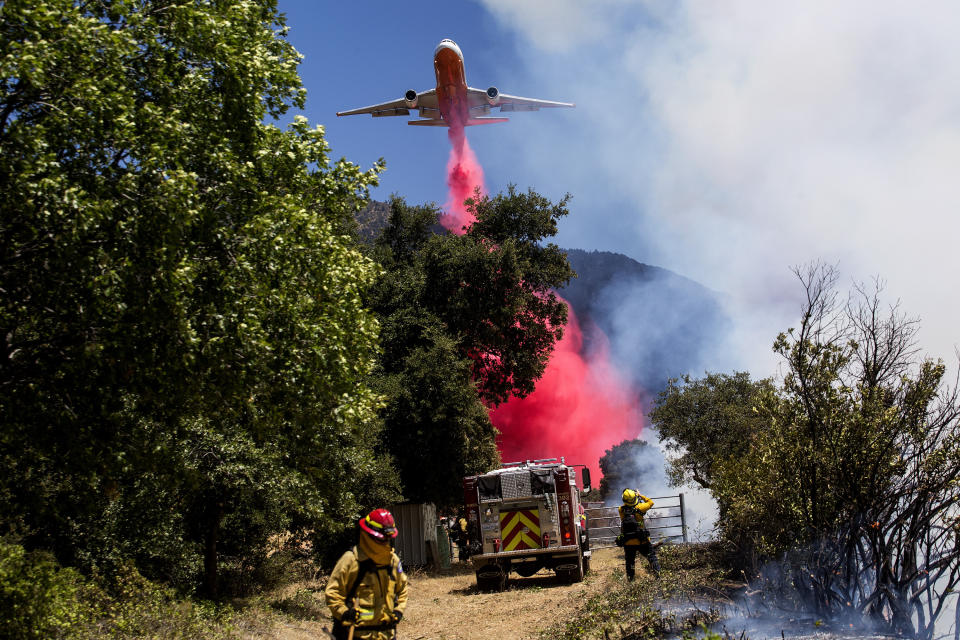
<point x="659" y="324"/>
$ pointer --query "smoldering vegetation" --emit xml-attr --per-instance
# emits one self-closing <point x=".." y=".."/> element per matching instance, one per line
<point x="836" y="483"/>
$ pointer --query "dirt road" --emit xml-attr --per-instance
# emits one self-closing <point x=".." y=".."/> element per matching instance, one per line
<point x="448" y="606"/>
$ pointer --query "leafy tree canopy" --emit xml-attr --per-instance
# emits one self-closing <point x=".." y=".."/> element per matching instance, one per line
<point x="707" y="420"/>
<point x="184" y="349"/>
<point x="466" y="322"/>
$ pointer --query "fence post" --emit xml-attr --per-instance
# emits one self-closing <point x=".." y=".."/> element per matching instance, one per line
<point x="683" y="519"/>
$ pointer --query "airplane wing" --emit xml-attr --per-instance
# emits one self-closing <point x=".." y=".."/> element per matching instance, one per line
<point x="483" y="100"/>
<point x="425" y="102"/>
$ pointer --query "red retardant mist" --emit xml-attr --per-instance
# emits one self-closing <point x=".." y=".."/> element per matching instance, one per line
<point x="581" y="406"/>
<point x="464" y="176"/>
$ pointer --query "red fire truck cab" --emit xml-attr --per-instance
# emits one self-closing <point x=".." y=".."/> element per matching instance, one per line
<point x="524" y="517"/>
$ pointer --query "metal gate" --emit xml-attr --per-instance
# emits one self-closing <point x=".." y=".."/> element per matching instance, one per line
<point x="665" y="521"/>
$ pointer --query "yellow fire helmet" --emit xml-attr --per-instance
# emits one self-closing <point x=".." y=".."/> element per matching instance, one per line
<point x="630" y="497"/>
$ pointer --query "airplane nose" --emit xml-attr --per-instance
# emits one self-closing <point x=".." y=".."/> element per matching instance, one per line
<point x="450" y="45"/>
<point x="446" y="56"/>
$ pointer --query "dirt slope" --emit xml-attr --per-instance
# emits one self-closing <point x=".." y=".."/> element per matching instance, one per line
<point x="448" y="606"/>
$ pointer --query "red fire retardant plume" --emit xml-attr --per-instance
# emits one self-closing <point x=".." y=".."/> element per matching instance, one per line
<point x="581" y="406"/>
<point x="464" y="176"/>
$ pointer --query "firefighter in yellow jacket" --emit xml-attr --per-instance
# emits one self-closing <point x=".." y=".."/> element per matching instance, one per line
<point x="368" y="588"/>
<point x="634" y="536"/>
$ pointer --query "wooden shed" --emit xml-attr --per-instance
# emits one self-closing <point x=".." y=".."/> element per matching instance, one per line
<point x="416" y="534"/>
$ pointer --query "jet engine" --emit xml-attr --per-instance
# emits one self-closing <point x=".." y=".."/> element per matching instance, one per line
<point x="493" y="96"/>
<point x="410" y="97"/>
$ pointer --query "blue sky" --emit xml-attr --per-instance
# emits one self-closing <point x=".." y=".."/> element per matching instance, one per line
<point x="353" y="59"/>
<point x="726" y="142"/>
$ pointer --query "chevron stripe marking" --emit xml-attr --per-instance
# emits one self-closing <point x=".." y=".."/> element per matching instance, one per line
<point x="522" y="541"/>
<point x="528" y="518"/>
<point x="513" y="519"/>
<point x="520" y="529"/>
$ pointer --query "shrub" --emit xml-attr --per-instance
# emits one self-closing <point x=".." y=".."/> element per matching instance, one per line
<point x="39" y="599"/>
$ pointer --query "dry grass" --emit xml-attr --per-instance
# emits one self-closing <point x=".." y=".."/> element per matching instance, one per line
<point x="447" y="605"/>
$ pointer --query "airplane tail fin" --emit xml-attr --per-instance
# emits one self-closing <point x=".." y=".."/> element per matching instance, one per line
<point x="437" y="122"/>
<point x="486" y="120"/>
<point x="429" y="122"/>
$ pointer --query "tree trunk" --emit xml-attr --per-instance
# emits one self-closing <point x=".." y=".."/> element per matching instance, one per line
<point x="956" y="622"/>
<point x="211" y="582"/>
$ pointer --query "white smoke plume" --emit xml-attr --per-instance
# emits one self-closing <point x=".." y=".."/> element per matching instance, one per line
<point x="729" y="142"/>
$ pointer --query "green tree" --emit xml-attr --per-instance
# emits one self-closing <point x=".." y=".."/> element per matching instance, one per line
<point x="854" y="478"/>
<point x="632" y="464"/>
<point x="184" y="345"/>
<point x="466" y="322"/>
<point x="703" y="422"/>
<point x="497" y="283"/>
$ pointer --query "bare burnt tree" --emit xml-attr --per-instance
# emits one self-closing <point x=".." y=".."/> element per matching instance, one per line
<point x="883" y="462"/>
<point x="815" y="353"/>
<point x="912" y="541"/>
<point x="885" y="338"/>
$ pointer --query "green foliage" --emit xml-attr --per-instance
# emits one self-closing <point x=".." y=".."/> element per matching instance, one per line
<point x="849" y="473"/>
<point x="185" y="351"/>
<point x="40" y="599"/>
<point x="627" y="466"/>
<point x="133" y="607"/>
<point x="465" y="320"/>
<point x="37" y="598"/>
<point x="703" y="422"/>
<point x="497" y="284"/>
<point x="437" y="428"/>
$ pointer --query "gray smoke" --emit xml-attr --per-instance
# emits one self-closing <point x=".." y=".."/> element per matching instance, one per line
<point x="729" y="142"/>
<point x="658" y="324"/>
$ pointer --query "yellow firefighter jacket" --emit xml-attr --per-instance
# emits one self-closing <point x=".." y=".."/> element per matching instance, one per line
<point x="638" y="511"/>
<point x="381" y="591"/>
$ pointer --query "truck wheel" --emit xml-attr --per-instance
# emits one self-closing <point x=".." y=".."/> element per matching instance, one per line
<point x="571" y="573"/>
<point x="578" y="571"/>
<point x="491" y="580"/>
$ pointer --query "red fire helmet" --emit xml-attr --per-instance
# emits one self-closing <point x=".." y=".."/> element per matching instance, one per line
<point x="379" y="523"/>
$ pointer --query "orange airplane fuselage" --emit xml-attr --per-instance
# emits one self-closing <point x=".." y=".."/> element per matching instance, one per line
<point x="451" y="83"/>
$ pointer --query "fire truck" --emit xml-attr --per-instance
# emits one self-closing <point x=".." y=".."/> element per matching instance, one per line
<point x="524" y="517"/>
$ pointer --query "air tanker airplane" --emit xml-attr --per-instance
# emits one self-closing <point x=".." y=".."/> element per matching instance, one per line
<point x="452" y="100"/>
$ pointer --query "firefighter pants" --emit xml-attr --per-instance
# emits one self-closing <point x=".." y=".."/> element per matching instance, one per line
<point x="646" y="549"/>
<point x="383" y="632"/>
